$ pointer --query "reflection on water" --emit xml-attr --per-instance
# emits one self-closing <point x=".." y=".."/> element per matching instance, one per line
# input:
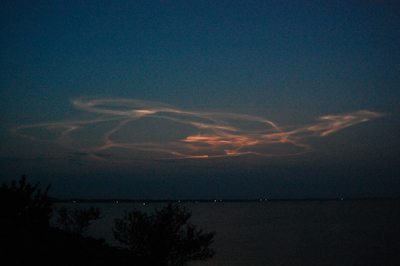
<point x="361" y="232"/>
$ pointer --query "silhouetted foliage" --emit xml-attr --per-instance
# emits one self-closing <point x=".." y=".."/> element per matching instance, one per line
<point x="163" y="238"/>
<point x="77" y="221"/>
<point x="18" y="202"/>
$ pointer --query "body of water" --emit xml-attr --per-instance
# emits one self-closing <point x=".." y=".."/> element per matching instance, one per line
<point x="348" y="232"/>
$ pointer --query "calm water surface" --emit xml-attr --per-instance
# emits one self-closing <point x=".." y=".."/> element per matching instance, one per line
<point x="352" y="232"/>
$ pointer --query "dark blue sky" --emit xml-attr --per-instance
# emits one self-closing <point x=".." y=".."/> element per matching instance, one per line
<point x="202" y="99"/>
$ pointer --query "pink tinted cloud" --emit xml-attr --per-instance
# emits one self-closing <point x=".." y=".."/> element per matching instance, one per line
<point x="204" y="134"/>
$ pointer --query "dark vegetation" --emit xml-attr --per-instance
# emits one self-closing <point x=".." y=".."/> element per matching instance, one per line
<point x="76" y="221"/>
<point x="165" y="238"/>
<point x="18" y="202"/>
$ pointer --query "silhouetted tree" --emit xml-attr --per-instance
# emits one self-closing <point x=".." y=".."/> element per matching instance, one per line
<point x="77" y="221"/>
<point x="163" y="238"/>
<point x="18" y="202"/>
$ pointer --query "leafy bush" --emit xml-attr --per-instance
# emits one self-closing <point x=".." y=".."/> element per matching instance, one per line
<point x="18" y="203"/>
<point x="163" y="238"/>
<point x="76" y="221"/>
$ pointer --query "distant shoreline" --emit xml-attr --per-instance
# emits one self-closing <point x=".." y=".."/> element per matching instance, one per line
<point x="76" y="200"/>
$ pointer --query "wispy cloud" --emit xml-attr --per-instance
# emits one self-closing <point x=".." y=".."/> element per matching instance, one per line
<point x="124" y="129"/>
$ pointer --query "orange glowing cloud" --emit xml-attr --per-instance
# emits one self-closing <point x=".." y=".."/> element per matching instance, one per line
<point x="124" y="129"/>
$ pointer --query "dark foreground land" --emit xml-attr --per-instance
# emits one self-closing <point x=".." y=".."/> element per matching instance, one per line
<point x="23" y="244"/>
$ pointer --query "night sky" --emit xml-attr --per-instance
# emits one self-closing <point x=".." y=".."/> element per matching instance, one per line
<point x="201" y="99"/>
